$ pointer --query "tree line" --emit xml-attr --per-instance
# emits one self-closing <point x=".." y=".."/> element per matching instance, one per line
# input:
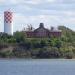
<point x="19" y="46"/>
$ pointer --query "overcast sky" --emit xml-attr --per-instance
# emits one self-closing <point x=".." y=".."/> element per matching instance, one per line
<point x="50" y="12"/>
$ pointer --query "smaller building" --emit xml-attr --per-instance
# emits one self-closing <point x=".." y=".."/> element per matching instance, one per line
<point x="43" y="32"/>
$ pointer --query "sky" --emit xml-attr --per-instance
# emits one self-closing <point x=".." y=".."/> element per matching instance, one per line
<point x="50" y="12"/>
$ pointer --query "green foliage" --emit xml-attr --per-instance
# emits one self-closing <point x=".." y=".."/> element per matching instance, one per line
<point x="69" y="54"/>
<point x="48" y="53"/>
<point x="55" y="42"/>
<point x="19" y="36"/>
<point x="43" y="43"/>
<point x="6" y="54"/>
<point x="52" y="47"/>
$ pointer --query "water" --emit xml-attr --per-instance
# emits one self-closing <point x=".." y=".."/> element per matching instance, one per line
<point x="37" y="67"/>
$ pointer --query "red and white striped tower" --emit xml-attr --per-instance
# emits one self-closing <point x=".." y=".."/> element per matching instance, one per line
<point x="8" y="26"/>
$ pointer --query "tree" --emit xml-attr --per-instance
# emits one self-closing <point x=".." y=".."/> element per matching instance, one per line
<point x="58" y="43"/>
<point x="19" y="36"/>
<point x="69" y="54"/>
<point x="30" y="27"/>
<point x="43" y="43"/>
<point x="55" y="42"/>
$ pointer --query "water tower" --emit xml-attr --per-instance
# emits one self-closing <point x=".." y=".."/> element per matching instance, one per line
<point x="8" y="26"/>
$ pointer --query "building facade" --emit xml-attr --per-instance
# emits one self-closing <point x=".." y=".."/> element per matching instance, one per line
<point x="42" y="32"/>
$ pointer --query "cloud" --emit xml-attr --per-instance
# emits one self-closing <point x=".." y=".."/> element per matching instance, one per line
<point x="34" y="2"/>
<point x="2" y="1"/>
<point x="51" y="12"/>
<point x="51" y="0"/>
<point x="55" y="1"/>
<point x="10" y="2"/>
<point x="21" y="21"/>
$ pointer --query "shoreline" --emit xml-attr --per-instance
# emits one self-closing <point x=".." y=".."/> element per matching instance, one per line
<point x="34" y="59"/>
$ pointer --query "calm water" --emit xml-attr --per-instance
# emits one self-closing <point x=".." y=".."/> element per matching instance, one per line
<point x="37" y="67"/>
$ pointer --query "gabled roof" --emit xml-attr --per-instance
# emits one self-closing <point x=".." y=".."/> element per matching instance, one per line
<point x="41" y="26"/>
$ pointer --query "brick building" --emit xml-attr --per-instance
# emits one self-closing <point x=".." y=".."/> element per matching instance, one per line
<point x="42" y="32"/>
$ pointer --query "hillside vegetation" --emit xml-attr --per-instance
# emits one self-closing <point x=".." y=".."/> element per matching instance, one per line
<point x="18" y="46"/>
